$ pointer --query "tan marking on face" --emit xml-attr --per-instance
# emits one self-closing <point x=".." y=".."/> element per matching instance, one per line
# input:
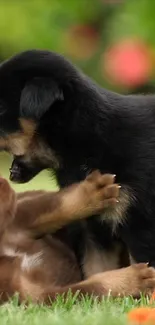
<point x="18" y="142"/>
<point x="28" y="126"/>
<point x="39" y="151"/>
<point x="28" y="144"/>
<point x="116" y="215"/>
<point x="2" y="143"/>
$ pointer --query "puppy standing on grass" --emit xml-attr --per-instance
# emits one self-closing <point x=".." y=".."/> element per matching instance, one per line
<point x="42" y="268"/>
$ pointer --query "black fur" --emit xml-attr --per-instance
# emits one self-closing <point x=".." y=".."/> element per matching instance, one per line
<point x="89" y="128"/>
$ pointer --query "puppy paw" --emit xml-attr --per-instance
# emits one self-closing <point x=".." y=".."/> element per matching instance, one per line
<point x="130" y="281"/>
<point x="6" y="194"/>
<point x="144" y="279"/>
<point x="101" y="191"/>
<point x="4" y="187"/>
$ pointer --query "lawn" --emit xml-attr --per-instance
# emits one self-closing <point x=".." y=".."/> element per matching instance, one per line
<point x="87" y="312"/>
<point x="70" y="313"/>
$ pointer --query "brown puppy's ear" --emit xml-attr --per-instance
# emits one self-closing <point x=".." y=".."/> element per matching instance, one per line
<point x="37" y="97"/>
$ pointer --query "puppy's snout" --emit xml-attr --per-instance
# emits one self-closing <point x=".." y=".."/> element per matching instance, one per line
<point x="21" y="171"/>
<point x="14" y="172"/>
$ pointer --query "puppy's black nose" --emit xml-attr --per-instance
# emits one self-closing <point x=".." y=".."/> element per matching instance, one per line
<point x="14" y="173"/>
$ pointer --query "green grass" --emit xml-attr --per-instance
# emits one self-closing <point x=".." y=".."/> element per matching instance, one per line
<point x="87" y="312"/>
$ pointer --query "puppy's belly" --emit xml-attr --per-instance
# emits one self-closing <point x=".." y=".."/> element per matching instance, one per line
<point x="117" y="215"/>
<point x="99" y="260"/>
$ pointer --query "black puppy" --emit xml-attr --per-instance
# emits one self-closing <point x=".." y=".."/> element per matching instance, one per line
<point x="53" y="116"/>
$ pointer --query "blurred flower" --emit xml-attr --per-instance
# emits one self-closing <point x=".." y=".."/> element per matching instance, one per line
<point x="142" y="315"/>
<point x="128" y="63"/>
<point x="152" y="297"/>
<point x="81" y="41"/>
<point x="151" y="318"/>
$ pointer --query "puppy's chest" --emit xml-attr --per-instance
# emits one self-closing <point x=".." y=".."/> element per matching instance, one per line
<point x="99" y="259"/>
<point x="29" y="255"/>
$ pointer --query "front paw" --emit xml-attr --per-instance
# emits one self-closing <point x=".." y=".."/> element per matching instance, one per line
<point x="101" y="190"/>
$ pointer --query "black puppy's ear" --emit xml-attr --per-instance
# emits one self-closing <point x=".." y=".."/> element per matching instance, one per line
<point x="37" y="96"/>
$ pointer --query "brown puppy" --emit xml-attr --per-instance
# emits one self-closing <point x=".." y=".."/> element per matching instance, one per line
<point x="42" y="268"/>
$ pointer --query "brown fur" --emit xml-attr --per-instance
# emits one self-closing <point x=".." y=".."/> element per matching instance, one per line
<point x="28" y="144"/>
<point x="19" y="142"/>
<point x="39" y="152"/>
<point x="42" y="268"/>
<point x="97" y="260"/>
<point x="27" y="141"/>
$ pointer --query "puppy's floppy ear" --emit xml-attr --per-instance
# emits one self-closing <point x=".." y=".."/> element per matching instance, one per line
<point x="37" y="96"/>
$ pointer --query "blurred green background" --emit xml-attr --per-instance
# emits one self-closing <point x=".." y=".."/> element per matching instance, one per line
<point x="110" y="40"/>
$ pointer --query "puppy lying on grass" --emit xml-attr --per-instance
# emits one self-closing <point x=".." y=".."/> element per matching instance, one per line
<point x="38" y="266"/>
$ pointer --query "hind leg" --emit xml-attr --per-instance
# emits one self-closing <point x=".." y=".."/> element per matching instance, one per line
<point x="133" y="280"/>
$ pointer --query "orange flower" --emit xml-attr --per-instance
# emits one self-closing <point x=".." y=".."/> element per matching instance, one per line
<point x="141" y="315"/>
<point x="151" y="318"/>
<point x="152" y="297"/>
